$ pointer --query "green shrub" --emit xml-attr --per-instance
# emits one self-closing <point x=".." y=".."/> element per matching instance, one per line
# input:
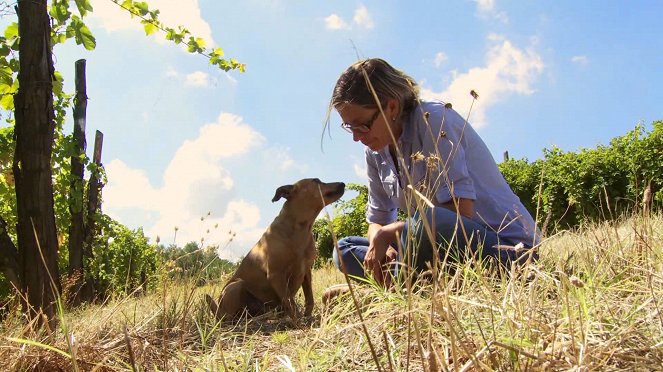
<point x="568" y="188"/>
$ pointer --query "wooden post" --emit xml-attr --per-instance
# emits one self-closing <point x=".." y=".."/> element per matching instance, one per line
<point x="76" y="191"/>
<point x="94" y="189"/>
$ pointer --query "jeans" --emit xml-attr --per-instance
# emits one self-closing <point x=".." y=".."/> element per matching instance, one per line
<point x="480" y="243"/>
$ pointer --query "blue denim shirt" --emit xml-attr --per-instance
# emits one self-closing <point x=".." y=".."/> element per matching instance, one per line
<point x="442" y="156"/>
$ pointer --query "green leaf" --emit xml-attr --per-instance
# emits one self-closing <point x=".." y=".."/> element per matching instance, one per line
<point x="149" y="27"/>
<point x="201" y="43"/>
<point x="83" y="34"/>
<point x="142" y="7"/>
<point x="11" y="32"/>
<point x="7" y="98"/>
<point x="6" y="77"/>
<point x="84" y="7"/>
<point x="58" y="38"/>
<point x="4" y="49"/>
<point x="125" y="3"/>
<point x="216" y="53"/>
<point x="196" y="45"/>
<point x="60" y="11"/>
<point x="7" y="102"/>
<point x="173" y="35"/>
<point x="58" y="82"/>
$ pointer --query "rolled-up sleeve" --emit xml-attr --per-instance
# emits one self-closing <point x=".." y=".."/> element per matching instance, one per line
<point x="380" y="208"/>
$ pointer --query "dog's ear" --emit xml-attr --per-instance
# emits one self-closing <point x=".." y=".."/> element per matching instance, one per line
<point x="282" y="192"/>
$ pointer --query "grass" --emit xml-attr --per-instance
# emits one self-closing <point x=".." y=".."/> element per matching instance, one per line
<point x="592" y="302"/>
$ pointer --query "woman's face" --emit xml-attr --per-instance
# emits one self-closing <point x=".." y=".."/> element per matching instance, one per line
<point x="368" y="125"/>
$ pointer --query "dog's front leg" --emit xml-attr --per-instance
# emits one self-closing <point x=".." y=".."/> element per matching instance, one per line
<point x="279" y="283"/>
<point x="307" y="287"/>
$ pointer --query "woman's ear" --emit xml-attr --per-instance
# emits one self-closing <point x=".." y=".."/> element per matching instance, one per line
<point x="393" y="107"/>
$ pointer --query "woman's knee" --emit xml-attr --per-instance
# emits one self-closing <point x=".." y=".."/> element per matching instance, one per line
<point x="350" y="254"/>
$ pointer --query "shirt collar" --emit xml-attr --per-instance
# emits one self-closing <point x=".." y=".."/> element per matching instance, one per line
<point x="409" y="128"/>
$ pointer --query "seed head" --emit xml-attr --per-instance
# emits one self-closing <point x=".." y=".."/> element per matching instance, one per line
<point x="474" y="94"/>
<point x="576" y="282"/>
<point x="417" y="156"/>
<point x="432" y="161"/>
<point x="447" y="106"/>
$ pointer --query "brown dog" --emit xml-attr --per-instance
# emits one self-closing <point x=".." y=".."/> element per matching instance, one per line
<point x="280" y="263"/>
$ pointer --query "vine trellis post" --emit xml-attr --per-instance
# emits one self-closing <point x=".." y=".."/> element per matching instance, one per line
<point x="83" y="229"/>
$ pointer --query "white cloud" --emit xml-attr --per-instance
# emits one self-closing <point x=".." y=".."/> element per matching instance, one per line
<point x="142" y="195"/>
<point x="111" y="17"/>
<point x="279" y="158"/>
<point x="360" y="170"/>
<point x="241" y="218"/>
<point x="334" y="22"/>
<point x="200" y="79"/>
<point x="171" y="72"/>
<point x="486" y="8"/>
<point x="440" y="58"/>
<point x="195" y="182"/>
<point x="580" y="60"/>
<point x="362" y="18"/>
<point x="508" y="70"/>
<point x="197" y="79"/>
<point x="485" y="5"/>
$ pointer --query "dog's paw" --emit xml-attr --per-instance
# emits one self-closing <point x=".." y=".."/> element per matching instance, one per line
<point x="308" y="309"/>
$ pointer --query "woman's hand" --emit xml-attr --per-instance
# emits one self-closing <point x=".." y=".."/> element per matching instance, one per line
<point x="377" y="256"/>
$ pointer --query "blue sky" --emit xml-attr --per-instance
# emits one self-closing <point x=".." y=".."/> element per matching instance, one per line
<point x="183" y="139"/>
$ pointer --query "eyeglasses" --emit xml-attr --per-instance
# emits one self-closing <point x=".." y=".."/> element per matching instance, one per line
<point x="363" y="128"/>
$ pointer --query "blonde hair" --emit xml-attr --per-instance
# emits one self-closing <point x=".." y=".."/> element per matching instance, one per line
<point x="374" y="77"/>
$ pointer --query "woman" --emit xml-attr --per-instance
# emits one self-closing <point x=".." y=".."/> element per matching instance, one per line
<point x="424" y="159"/>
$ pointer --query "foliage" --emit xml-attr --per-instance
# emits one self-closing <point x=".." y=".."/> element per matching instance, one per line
<point x="7" y="196"/>
<point x="151" y="24"/>
<point x="118" y="245"/>
<point x="350" y="220"/>
<point x="193" y="261"/>
<point x="122" y="259"/>
<point x="597" y="184"/>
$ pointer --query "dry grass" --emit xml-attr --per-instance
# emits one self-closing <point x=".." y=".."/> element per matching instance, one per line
<point x="592" y="302"/>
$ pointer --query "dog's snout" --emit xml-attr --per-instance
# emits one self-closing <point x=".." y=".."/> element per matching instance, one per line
<point x="340" y="188"/>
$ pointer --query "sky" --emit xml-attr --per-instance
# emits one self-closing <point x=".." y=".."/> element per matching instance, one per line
<point x="193" y="153"/>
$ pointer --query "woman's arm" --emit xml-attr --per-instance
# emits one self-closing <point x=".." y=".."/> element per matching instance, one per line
<point x="465" y="207"/>
<point x="372" y="230"/>
<point x="380" y="239"/>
